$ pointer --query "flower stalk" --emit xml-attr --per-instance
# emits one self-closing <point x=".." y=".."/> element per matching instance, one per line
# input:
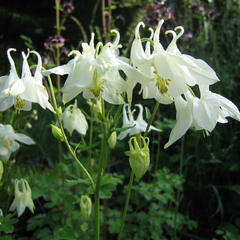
<point x="132" y="175"/>
<point x="57" y="113"/>
<point x="99" y="175"/>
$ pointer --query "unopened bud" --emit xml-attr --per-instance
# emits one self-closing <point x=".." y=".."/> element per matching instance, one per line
<point x="96" y="107"/>
<point x="1" y="169"/>
<point x="112" y="140"/>
<point x="59" y="111"/>
<point x="57" y="133"/>
<point x="86" y="206"/>
<point x="139" y="158"/>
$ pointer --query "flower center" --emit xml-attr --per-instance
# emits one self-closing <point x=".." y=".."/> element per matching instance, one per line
<point x="19" y="102"/>
<point x="7" y="143"/>
<point x="162" y="84"/>
<point x="96" y="87"/>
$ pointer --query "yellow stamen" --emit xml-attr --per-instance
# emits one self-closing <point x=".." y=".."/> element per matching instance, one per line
<point x="162" y="84"/>
<point x="19" y="102"/>
<point x="96" y="87"/>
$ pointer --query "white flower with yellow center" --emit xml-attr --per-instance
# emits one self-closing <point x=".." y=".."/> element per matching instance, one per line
<point x="166" y="74"/>
<point x="22" y="92"/>
<point x="11" y="86"/>
<point x="94" y="72"/>
<point x="152" y="85"/>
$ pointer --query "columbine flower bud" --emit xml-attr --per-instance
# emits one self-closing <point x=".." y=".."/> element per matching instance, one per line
<point x="1" y="169"/>
<point x="86" y="206"/>
<point x="96" y="107"/>
<point x="112" y="140"/>
<point x="139" y="158"/>
<point x="23" y="197"/>
<point x="57" y="133"/>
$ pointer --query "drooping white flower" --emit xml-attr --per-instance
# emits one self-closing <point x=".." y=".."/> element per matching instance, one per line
<point x="11" y="86"/>
<point x="94" y="74"/>
<point x="201" y="113"/>
<point x="8" y="140"/>
<point x="145" y="73"/>
<point x="136" y="126"/>
<point x="163" y="78"/>
<point x="24" y="91"/>
<point x="34" y="91"/>
<point x="73" y="118"/>
<point x="23" y="197"/>
<point x="166" y="74"/>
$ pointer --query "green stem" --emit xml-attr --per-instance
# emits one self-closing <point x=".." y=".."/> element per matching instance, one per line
<point x="126" y="204"/>
<point x="79" y="24"/>
<point x="90" y="141"/>
<point x="132" y="175"/>
<point x="64" y="135"/>
<point x="99" y="175"/>
<point x="151" y="118"/>
<point x="97" y="190"/>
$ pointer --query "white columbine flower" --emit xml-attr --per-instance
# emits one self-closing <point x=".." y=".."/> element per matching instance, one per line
<point x="24" y="91"/>
<point x="11" y="86"/>
<point x="23" y="197"/>
<point x="94" y="74"/>
<point x="34" y="91"/>
<point x="201" y="113"/>
<point x="73" y="118"/>
<point x="166" y="74"/>
<point x="8" y="140"/>
<point x="146" y="74"/>
<point x="136" y="126"/>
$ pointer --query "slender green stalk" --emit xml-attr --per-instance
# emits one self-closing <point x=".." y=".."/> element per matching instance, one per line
<point x="97" y="189"/>
<point x="151" y="118"/>
<point x="64" y="135"/>
<point x="90" y="141"/>
<point x="132" y="175"/>
<point x="79" y="24"/>
<point x="126" y="205"/>
<point x="99" y="175"/>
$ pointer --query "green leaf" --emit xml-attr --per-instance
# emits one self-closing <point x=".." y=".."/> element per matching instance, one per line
<point x="84" y="227"/>
<point x="66" y="233"/>
<point x="108" y="185"/>
<point x="234" y="188"/>
<point x="7" y="223"/>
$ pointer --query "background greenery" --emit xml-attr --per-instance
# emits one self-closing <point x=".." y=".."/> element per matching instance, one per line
<point x="192" y="190"/>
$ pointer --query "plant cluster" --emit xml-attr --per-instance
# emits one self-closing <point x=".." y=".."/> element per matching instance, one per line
<point x="94" y="90"/>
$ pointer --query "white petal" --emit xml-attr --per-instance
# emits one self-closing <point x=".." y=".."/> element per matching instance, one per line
<point x="60" y="70"/>
<point x="184" y="122"/>
<point x="228" y="108"/>
<point x="24" y="139"/>
<point x="6" y="103"/>
<point x="206" y="111"/>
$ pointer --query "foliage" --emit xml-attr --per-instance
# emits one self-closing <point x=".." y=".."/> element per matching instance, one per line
<point x="197" y="198"/>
